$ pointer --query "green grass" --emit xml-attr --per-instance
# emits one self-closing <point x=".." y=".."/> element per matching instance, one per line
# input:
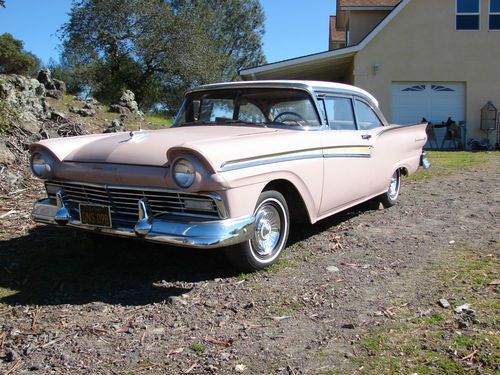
<point x="158" y="120"/>
<point x="448" y="163"/>
<point x="198" y="348"/>
<point x="436" y="344"/>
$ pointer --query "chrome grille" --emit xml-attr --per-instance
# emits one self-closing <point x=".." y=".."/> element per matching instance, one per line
<point x="123" y="201"/>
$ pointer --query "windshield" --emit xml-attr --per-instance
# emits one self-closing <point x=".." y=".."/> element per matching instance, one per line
<point x="249" y="107"/>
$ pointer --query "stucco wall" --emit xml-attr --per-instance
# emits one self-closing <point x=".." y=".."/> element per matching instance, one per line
<point x="362" y="22"/>
<point x="421" y="44"/>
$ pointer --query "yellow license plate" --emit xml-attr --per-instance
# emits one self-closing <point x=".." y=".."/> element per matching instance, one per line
<point x="97" y="216"/>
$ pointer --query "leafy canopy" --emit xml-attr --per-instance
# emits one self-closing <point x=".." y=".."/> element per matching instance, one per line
<point x="13" y="59"/>
<point x="159" y="48"/>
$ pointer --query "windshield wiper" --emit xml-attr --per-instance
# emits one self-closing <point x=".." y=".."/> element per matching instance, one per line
<point x="193" y="123"/>
<point x="246" y="123"/>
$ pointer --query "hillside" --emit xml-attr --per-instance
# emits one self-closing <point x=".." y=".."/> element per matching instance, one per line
<point x="33" y="109"/>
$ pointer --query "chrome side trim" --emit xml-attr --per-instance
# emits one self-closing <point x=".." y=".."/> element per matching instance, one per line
<point x="269" y="161"/>
<point x="165" y="229"/>
<point x="358" y="151"/>
<point x="347" y="156"/>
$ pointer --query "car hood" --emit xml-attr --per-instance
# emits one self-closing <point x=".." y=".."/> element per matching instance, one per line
<point x="150" y="148"/>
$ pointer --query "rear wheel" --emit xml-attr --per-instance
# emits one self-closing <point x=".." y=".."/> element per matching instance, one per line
<point x="272" y="225"/>
<point x="389" y="198"/>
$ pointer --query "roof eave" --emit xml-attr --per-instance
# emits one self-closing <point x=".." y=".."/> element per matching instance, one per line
<point x="341" y="52"/>
<point x="251" y="72"/>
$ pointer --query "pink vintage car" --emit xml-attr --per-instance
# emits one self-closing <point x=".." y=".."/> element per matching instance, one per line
<point x="242" y="160"/>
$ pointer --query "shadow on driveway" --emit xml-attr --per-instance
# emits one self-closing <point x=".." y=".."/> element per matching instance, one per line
<point x="52" y="266"/>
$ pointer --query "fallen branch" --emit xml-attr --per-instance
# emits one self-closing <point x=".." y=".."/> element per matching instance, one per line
<point x="469" y="356"/>
<point x="14" y="366"/>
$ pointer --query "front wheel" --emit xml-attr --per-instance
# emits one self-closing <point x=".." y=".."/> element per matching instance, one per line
<point x="272" y="225"/>
<point x="389" y="198"/>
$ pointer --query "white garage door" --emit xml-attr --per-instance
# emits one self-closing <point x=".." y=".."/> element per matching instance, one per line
<point x="436" y="101"/>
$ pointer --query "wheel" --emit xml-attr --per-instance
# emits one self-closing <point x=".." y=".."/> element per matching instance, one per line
<point x="389" y="198"/>
<point x="272" y="225"/>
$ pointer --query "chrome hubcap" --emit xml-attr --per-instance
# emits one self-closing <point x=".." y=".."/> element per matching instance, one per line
<point x="268" y="230"/>
<point x="394" y="186"/>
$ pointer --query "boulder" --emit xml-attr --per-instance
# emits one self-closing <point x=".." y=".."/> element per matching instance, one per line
<point x="28" y="122"/>
<point x="58" y="116"/>
<point x="122" y="110"/>
<point x="116" y="126"/>
<point x="23" y="94"/>
<point x="86" y="112"/>
<point x="56" y="94"/>
<point x="60" y="85"/>
<point x="45" y="78"/>
<point x="127" y="100"/>
<point x="6" y="156"/>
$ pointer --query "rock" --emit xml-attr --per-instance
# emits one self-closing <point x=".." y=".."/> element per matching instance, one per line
<point x="120" y="109"/>
<point x="462" y="308"/>
<point x="156" y="331"/>
<point x="349" y="326"/>
<point x="176" y="301"/>
<point x="116" y="126"/>
<point x="444" y="303"/>
<point x="240" y="368"/>
<point x="56" y="94"/>
<point x="28" y="122"/>
<point x="22" y="94"/>
<point x="127" y="100"/>
<point x="45" y="78"/>
<point x="58" y="116"/>
<point x="10" y="355"/>
<point x="332" y="269"/>
<point x="225" y="356"/>
<point x="60" y="85"/>
<point x="85" y="112"/>
<point x="6" y="156"/>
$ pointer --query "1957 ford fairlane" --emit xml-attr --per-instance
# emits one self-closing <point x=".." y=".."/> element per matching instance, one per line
<point x="240" y="162"/>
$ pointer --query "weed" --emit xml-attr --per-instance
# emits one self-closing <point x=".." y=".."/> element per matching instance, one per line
<point x="198" y="348"/>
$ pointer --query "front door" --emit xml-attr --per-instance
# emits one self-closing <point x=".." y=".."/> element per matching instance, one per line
<point x="347" y="154"/>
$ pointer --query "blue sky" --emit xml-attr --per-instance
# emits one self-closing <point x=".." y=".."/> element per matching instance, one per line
<point x="293" y="27"/>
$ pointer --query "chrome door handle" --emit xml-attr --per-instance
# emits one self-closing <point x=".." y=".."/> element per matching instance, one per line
<point x="366" y="136"/>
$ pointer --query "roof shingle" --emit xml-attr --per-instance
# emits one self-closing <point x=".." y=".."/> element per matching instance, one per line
<point x="368" y="3"/>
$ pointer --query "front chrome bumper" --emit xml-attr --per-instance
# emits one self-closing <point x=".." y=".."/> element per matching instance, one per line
<point x="161" y="229"/>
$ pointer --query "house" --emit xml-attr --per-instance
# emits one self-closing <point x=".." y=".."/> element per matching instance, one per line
<point x="430" y="59"/>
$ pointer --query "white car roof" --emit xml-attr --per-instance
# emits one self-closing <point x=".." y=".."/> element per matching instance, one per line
<point x="311" y="85"/>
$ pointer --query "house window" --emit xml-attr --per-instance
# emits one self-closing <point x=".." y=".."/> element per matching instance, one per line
<point x="494" y="14"/>
<point x="468" y="14"/>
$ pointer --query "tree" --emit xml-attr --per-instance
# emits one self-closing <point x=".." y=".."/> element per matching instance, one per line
<point x="160" y="48"/>
<point x="2" y="3"/>
<point x="13" y="59"/>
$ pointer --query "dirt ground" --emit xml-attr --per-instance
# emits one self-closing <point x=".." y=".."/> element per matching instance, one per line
<point x="72" y="303"/>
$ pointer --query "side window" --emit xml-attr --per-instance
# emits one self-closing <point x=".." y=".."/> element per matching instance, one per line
<point x="340" y="114"/>
<point x="468" y="14"/>
<point x="367" y="119"/>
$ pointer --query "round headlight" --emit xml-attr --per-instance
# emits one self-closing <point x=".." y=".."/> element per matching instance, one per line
<point x="40" y="166"/>
<point x="184" y="173"/>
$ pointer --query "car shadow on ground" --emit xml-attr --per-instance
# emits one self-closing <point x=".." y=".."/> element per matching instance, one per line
<point x="53" y="266"/>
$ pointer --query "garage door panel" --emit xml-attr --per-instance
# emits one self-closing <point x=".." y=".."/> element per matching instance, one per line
<point x="436" y="101"/>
